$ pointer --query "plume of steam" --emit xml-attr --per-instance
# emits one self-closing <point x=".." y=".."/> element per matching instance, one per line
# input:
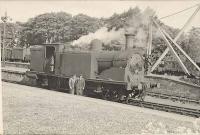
<point x="147" y="14"/>
<point x="102" y="34"/>
<point x="136" y="24"/>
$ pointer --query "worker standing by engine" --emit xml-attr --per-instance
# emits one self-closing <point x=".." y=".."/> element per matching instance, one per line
<point x="52" y="62"/>
<point x="80" y="85"/>
<point x="72" y="84"/>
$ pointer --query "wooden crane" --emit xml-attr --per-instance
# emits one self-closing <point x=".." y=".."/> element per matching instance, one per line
<point x="170" y="42"/>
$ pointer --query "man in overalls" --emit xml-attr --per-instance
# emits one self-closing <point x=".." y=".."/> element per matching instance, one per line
<point x="80" y="85"/>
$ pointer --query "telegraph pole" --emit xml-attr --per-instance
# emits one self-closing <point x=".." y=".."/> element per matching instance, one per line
<point x="0" y="38"/>
<point x="1" y="106"/>
<point x="4" y="19"/>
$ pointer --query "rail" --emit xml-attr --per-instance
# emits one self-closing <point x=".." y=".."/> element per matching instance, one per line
<point x="172" y="97"/>
<point x="167" y="108"/>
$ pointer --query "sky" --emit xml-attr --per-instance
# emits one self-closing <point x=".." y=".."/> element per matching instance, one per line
<point x="23" y="10"/>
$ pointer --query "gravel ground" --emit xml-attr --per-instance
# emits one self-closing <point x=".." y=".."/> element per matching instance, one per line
<point x="28" y="110"/>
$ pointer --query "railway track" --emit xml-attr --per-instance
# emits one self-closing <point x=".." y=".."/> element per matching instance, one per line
<point x="173" y="98"/>
<point x="167" y="108"/>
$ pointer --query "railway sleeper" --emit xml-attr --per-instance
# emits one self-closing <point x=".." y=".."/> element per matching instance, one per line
<point x="173" y="109"/>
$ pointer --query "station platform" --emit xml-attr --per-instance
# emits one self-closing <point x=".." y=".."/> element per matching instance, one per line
<point x="14" y="69"/>
<point x="30" y="110"/>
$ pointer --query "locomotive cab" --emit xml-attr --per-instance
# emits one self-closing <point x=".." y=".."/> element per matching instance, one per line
<point x="43" y="57"/>
<point x="50" y="59"/>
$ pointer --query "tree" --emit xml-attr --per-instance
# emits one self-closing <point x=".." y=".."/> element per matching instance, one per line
<point x="11" y="34"/>
<point x="82" y="25"/>
<point x="124" y="20"/>
<point x="48" y="27"/>
<point x="194" y="43"/>
<point x="56" y="27"/>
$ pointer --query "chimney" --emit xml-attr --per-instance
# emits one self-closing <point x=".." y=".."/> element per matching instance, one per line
<point x="129" y="41"/>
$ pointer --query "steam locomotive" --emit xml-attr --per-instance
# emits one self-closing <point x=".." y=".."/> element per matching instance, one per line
<point x="107" y="73"/>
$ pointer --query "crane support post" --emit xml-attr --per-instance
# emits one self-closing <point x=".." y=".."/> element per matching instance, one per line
<point x="150" y="42"/>
<point x="149" y="45"/>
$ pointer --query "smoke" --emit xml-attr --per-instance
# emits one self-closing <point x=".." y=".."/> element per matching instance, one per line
<point x="136" y="24"/>
<point x="141" y="38"/>
<point x="102" y="34"/>
<point x="147" y="14"/>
